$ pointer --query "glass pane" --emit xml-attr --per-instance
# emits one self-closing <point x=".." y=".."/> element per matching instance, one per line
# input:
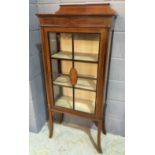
<point x="88" y="70"/>
<point x="86" y="47"/>
<point x="60" y="72"/>
<point x="60" y="45"/>
<point x="53" y="42"/>
<point x="87" y="84"/>
<point x="63" y="97"/>
<point x="60" y="76"/>
<point x="85" y="101"/>
<point x="62" y="89"/>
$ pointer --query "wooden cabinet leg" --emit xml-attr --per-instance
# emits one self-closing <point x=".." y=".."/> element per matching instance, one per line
<point x="61" y="115"/>
<point x="103" y="126"/>
<point x="99" y="137"/>
<point x="50" y="124"/>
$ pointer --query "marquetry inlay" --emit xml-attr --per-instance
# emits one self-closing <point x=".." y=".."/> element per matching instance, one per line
<point x="73" y="76"/>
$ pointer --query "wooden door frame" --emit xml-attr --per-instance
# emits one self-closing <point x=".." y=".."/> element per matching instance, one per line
<point x="103" y="42"/>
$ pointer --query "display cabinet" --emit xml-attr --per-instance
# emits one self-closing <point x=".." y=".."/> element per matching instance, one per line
<point x="76" y="43"/>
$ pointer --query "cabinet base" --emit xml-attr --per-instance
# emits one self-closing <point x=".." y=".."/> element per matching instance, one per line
<point x="99" y="124"/>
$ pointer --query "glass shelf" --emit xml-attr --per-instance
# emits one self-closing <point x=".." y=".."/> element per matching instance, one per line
<point x="62" y="55"/>
<point x="77" y="56"/>
<point x="82" y="105"/>
<point x="82" y="83"/>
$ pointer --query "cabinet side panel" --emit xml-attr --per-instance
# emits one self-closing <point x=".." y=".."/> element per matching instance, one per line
<point x="107" y="66"/>
<point x="47" y="67"/>
<point x="102" y="73"/>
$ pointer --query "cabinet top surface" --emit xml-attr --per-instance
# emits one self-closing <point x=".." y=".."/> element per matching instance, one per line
<point x="83" y="10"/>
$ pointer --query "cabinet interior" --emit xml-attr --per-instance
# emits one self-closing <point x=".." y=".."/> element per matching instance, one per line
<point x="81" y="51"/>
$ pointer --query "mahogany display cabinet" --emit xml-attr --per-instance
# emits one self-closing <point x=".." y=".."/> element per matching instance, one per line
<point x="76" y="47"/>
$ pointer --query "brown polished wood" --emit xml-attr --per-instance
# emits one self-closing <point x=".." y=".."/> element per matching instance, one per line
<point x="83" y="10"/>
<point x="74" y="19"/>
<point x="50" y="124"/>
<point x="79" y="16"/>
<point x="99" y="137"/>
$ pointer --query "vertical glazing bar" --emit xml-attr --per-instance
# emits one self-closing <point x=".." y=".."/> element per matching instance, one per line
<point x="73" y="67"/>
<point x="73" y="50"/>
<point x="58" y="41"/>
<point x="58" y="50"/>
<point x="58" y="61"/>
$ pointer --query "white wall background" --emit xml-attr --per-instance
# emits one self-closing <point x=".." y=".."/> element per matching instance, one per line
<point x="115" y="110"/>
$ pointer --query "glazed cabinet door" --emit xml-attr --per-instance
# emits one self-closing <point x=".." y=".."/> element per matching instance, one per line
<point x="74" y="59"/>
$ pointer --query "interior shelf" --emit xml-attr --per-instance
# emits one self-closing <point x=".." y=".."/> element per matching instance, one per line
<point x="65" y="101"/>
<point x="82" y="83"/>
<point x="80" y="104"/>
<point x="62" y="55"/>
<point x="77" y="56"/>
